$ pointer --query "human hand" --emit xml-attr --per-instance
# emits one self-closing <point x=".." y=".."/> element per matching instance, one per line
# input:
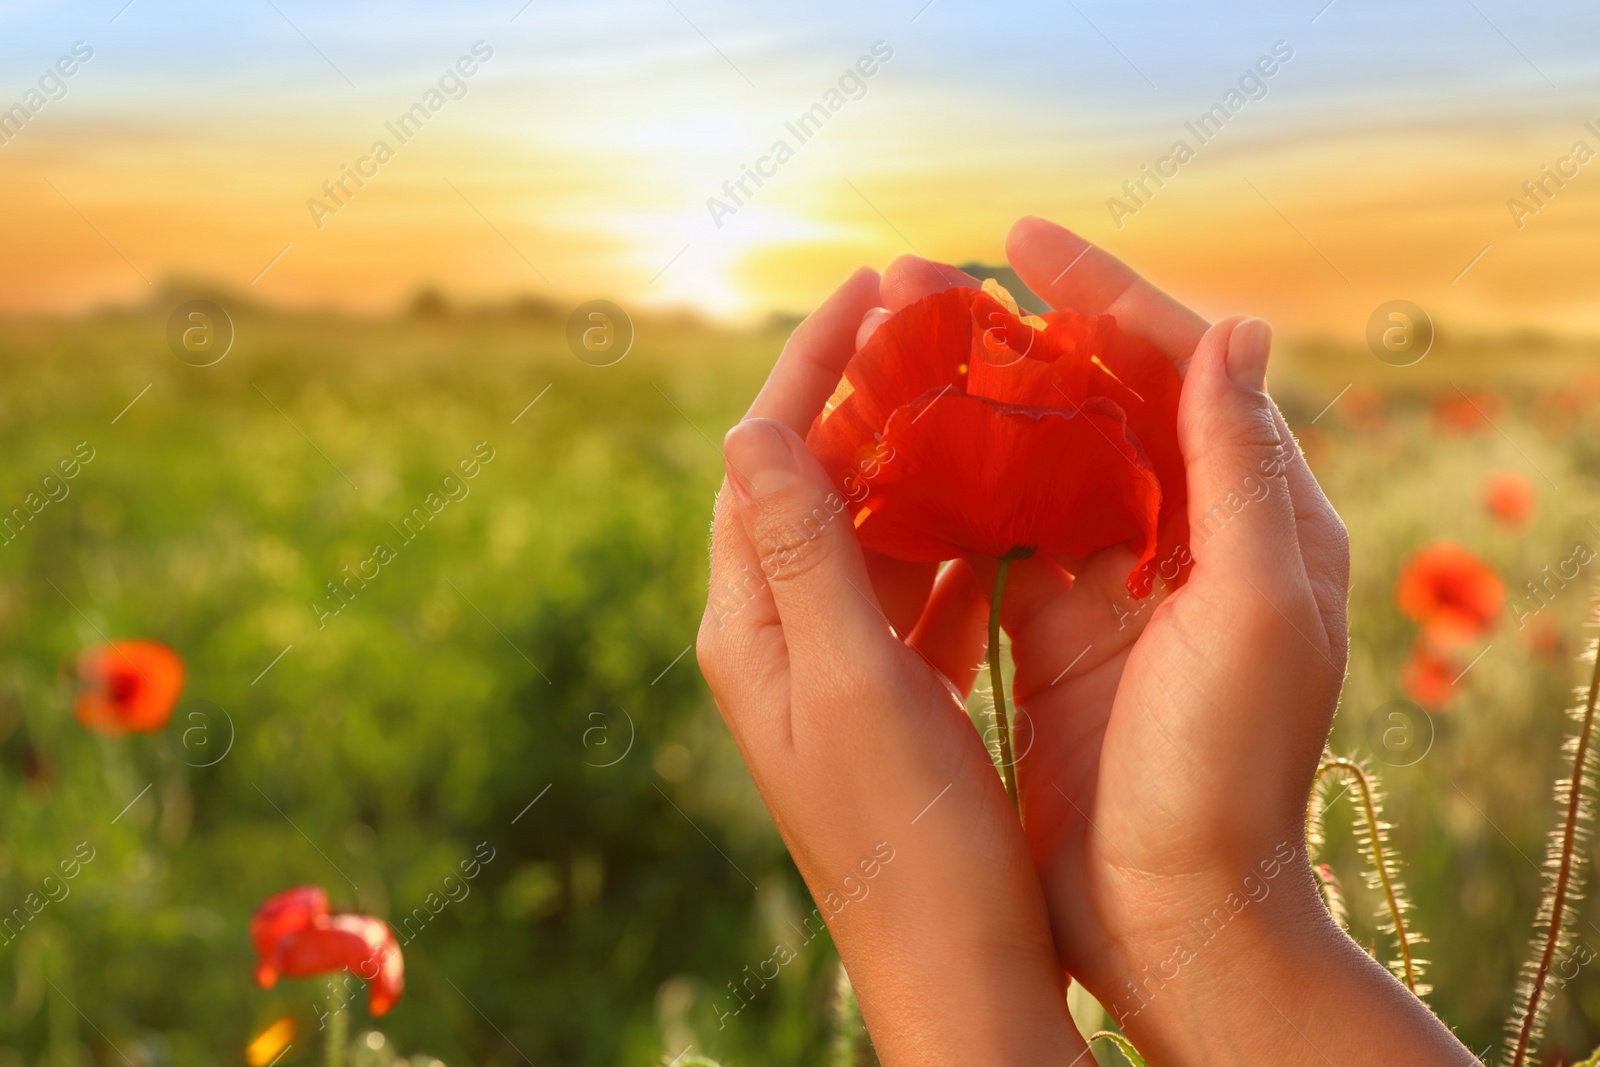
<point x="1166" y="747"/>
<point x="1175" y="739"/>
<point x="861" y="747"/>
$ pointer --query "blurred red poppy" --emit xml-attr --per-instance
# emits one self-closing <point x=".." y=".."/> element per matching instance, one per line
<point x="1573" y="397"/>
<point x="296" y="936"/>
<point x="1510" y="499"/>
<point x="1428" y="678"/>
<point x="1451" y="592"/>
<point x="965" y="428"/>
<point x="287" y="913"/>
<point x="1363" y="408"/>
<point x="1465" y="412"/>
<point x="128" y="686"/>
<point x="1546" y="640"/>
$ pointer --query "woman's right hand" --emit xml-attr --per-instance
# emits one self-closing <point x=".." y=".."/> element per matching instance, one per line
<point x="1167" y="746"/>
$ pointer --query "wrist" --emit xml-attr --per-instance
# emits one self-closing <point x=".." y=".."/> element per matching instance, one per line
<point x="963" y="1000"/>
<point x="1223" y="931"/>
<point x="1271" y="979"/>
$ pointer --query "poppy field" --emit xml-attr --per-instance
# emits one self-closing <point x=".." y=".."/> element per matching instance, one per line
<point x="347" y="689"/>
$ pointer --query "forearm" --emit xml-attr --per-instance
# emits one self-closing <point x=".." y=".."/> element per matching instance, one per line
<point x="946" y="936"/>
<point x="963" y="1003"/>
<point x="1280" y="984"/>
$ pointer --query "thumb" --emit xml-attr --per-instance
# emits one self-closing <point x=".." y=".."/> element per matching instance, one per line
<point x="1241" y="516"/>
<point x="800" y="527"/>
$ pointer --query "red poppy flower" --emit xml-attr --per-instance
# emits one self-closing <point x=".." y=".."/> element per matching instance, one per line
<point x="1511" y="499"/>
<point x="1451" y="592"/>
<point x="297" y="937"/>
<point x="1465" y="412"/>
<point x="128" y="686"/>
<point x="1545" y="639"/>
<point x="1428" y="678"/>
<point x="287" y="913"/>
<point x="1363" y="408"/>
<point x="1559" y="407"/>
<point x="965" y="428"/>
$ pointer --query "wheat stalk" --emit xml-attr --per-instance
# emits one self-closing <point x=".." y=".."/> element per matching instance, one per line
<point x="1563" y="872"/>
<point x="1372" y="836"/>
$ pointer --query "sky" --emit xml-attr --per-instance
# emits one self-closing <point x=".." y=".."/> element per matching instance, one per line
<point x="587" y="152"/>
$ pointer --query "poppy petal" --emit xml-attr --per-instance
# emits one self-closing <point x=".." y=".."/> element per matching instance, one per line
<point x="967" y="475"/>
<point x="357" y="943"/>
<point x="1511" y="499"/>
<point x="1060" y="435"/>
<point x="1452" y="593"/>
<point x="377" y="961"/>
<point x="279" y="916"/>
<point x="1428" y="678"/>
<point x="128" y="686"/>
<point x="924" y="346"/>
<point x="1142" y="381"/>
<point x="1046" y="368"/>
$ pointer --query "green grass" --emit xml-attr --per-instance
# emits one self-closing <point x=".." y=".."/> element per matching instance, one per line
<point x="523" y="638"/>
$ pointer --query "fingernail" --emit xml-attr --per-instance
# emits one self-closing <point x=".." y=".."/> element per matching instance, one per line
<point x="1248" y="348"/>
<point x="870" y="323"/>
<point x="759" y="458"/>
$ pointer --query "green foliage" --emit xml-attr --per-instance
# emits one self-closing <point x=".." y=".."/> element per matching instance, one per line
<point x="510" y="653"/>
<point x="1471" y="800"/>
<point x="852" y="1045"/>
<point x="519" y="644"/>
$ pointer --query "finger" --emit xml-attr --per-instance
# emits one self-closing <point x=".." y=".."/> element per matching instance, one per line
<point x="1241" y="515"/>
<point x="805" y="375"/>
<point x="1072" y="274"/>
<point x="953" y="630"/>
<point x="870" y="322"/>
<point x="740" y="643"/>
<point x="800" y="528"/>
<point x="1324" y="544"/>
<point x="910" y="278"/>
<point x="808" y="370"/>
<point x="902" y="588"/>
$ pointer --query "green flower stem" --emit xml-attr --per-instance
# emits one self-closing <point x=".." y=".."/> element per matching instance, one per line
<point x="1008" y="771"/>
<point x="338" y="1027"/>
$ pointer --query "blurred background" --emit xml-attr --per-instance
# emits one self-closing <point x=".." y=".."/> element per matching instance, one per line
<point x="393" y="221"/>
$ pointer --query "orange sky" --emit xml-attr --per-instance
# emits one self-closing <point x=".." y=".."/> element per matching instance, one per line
<point x="1319" y="200"/>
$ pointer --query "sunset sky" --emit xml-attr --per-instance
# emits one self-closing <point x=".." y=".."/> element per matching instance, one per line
<point x="577" y="161"/>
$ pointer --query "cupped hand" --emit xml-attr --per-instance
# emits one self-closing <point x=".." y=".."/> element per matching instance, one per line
<point x="860" y="745"/>
<point x="1166" y="747"/>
